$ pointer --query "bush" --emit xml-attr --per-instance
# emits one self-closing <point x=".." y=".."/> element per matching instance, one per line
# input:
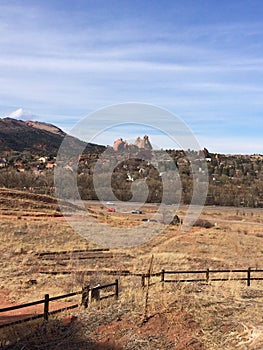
<point x="203" y="223"/>
<point x="176" y="220"/>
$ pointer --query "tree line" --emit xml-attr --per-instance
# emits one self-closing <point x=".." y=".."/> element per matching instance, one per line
<point x="233" y="180"/>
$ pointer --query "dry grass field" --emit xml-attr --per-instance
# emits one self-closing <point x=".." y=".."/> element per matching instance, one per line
<point x="213" y="316"/>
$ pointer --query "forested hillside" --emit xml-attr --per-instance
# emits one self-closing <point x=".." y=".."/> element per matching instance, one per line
<point x="234" y="180"/>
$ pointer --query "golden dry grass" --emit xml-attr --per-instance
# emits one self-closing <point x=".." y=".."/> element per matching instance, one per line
<point x="228" y="314"/>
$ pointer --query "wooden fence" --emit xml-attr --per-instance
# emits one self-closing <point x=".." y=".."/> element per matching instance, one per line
<point x="88" y="294"/>
<point x="206" y="276"/>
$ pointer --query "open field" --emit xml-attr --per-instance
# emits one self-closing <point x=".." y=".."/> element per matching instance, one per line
<point x="218" y="315"/>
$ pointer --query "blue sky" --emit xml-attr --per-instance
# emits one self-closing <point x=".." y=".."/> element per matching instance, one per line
<point x="201" y="60"/>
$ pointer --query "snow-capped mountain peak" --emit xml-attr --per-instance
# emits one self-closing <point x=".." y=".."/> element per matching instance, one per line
<point x="21" y="114"/>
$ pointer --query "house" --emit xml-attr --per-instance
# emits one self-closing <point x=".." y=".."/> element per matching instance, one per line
<point x="3" y="163"/>
<point x="42" y="159"/>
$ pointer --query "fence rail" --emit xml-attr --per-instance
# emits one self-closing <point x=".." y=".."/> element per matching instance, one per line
<point x="207" y="275"/>
<point x="88" y="294"/>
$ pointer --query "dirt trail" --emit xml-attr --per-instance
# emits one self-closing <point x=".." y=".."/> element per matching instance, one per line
<point x="20" y="314"/>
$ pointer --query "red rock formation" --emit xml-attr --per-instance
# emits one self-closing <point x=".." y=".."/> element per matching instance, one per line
<point x="143" y="143"/>
<point x="120" y="145"/>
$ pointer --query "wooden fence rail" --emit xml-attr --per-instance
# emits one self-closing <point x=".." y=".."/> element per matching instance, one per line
<point x="207" y="275"/>
<point x="88" y="294"/>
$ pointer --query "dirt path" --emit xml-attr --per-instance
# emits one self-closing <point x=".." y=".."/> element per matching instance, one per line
<point x="20" y="314"/>
<point x="240" y="222"/>
<point x="49" y="217"/>
<point x="231" y="221"/>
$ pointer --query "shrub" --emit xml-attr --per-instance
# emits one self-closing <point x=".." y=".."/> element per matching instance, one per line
<point x="203" y="223"/>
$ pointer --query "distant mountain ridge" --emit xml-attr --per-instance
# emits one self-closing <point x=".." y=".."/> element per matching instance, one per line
<point x="35" y="137"/>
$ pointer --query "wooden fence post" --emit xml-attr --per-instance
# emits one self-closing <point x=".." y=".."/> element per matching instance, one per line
<point x="162" y="275"/>
<point x="95" y="293"/>
<point x="248" y="276"/>
<point x="207" y="275"/>
<point x="116" y="289"/>
<point x="143" y="280"/>
<point x="85" y="296"/>
<point x="46" y="304"/>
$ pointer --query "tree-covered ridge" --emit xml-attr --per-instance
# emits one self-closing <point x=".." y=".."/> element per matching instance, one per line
<point x="235" y="180"/>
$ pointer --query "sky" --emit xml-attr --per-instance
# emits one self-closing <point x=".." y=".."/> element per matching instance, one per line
<point x="201" y="60"/>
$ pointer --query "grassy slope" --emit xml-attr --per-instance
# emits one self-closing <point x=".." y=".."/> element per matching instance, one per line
<point x="15" y="202"/>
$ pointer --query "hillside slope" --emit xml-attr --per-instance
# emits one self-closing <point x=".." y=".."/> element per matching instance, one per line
<point x="12" y="201"/>
<point x="17" y="135"/>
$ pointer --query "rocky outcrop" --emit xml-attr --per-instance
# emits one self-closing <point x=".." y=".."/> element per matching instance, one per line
<point x="45" y="126"/>
<point x="140" y="144"/>
<point x="120" y="145"/>
<point x="143" y="143"/>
